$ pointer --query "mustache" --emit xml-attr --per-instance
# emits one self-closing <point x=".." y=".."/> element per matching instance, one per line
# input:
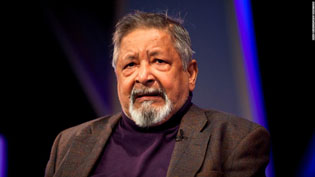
<point x="136" y="93"/>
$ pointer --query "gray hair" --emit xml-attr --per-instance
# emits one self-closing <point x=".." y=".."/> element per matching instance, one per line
<point x="138" y="19"/>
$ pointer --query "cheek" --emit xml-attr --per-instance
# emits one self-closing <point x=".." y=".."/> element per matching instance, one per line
<point x="124" y="87"/>
<point x="124" y="90"/>
<point x="165" y="79"/>
<point x="175" y="85"/>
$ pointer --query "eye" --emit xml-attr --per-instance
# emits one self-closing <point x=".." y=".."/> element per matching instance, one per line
<point x="161" y="64"/>
<point x="129" y="65"/>
<point x="160" y="61"/>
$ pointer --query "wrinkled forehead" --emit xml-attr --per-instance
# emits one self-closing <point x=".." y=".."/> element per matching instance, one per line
<point x="153" y="34"/>
<point x="165" y="29"/>
<point x="150" y="41"/>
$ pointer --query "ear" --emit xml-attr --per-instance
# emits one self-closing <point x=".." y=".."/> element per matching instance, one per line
<point x="193" y="72"/>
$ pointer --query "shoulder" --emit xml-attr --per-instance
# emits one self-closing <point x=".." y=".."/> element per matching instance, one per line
<point x="226" y="121"/>
<point x="83" y="132"/>
<point x="235" y="146"/>
<point x="90" y="126"/>
<point x="233" y="136"/>
<point x="230" y="129"/>
<point x="230" y="121"/>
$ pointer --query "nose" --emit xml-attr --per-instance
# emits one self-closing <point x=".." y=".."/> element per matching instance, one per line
<point x="144" y="75"/>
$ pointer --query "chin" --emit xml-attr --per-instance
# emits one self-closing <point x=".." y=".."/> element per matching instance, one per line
<point x="147" y="114"/>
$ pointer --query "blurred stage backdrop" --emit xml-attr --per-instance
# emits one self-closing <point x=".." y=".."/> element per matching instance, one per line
<point x="58" y="74"/>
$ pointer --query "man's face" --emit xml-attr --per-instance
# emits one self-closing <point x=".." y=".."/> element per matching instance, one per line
<point x="150" y="74"/>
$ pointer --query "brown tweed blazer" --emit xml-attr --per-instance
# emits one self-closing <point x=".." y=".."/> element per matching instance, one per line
<point x="215" y="144"/>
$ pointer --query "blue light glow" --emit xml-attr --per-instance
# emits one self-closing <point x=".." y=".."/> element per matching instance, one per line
<point x="307" y="168"/>
<point x="247" y="37"/>
<point x="248" y="46"/>
<point x="2" y="157"/>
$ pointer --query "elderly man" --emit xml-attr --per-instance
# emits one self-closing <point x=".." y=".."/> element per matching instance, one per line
<point x="159" y="131"/>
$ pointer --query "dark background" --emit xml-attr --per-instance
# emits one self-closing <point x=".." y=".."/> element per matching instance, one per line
<point x="285" y="51"/>
<point x="42" y="96"/>
<point x="40" y="89"/>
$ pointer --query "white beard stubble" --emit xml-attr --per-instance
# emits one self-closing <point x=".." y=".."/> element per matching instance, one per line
<point x="148" y="115"/>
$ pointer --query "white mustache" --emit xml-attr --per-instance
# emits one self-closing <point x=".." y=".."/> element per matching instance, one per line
<point x="147" y="91"/>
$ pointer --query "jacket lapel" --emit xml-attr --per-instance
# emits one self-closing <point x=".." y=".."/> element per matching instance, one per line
<point x="86" y="148"/>
<point x="189" y="153"/>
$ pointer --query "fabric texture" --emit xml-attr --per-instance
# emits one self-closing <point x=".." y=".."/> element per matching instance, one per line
<point x="136" y="151"/>
<point x="213" y="144"/>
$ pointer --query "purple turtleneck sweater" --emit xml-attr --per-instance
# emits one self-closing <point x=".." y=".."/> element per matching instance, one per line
<point x="134" y="151"/>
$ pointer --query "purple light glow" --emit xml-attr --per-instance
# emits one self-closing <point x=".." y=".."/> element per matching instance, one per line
<point x="308" y="162"/>
<point x="248" y="46"/>
<point x="2" y="157"/>
<point x="247" y="38"/>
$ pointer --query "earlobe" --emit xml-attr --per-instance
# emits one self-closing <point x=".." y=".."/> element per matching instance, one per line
<point x="193" y="72"/>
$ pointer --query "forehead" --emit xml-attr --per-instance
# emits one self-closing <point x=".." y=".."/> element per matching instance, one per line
<point x="146" y="37"/>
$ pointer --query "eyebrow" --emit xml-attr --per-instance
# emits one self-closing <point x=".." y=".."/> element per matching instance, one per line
<point x="136" y="55"/>
<point x="131" y="56"/>
<point x="153" y="53"/>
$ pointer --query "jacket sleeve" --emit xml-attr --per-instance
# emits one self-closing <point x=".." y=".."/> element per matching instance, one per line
<point x="250" y="157"/>
<point x="52" y="162"/>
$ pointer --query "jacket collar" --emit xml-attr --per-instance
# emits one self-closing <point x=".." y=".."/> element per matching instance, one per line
<point x="189" y="153"/>
<point x="86" y="148"/>
<point x="186" y="159"/>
